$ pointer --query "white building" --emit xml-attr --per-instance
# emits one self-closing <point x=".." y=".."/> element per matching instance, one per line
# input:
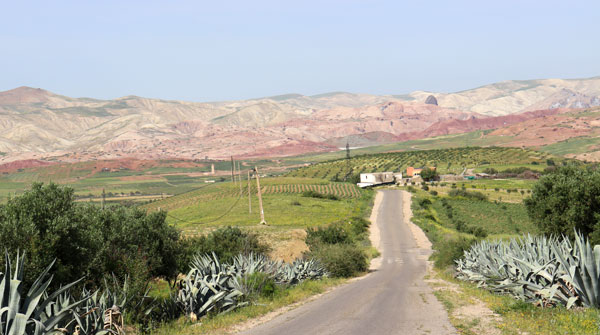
<point x="378" y="178"/>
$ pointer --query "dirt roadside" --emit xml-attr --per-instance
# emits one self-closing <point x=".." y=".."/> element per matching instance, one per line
<point x="472" y="311"/>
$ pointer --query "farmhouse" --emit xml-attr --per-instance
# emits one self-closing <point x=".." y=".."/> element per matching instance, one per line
<point x="413" y="172"/>
<point x="378" y="178"/>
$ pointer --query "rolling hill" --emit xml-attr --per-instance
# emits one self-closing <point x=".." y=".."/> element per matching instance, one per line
<point x="41" y="125"/>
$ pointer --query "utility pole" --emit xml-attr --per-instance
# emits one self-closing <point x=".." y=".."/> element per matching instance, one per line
<point x="249" y="195"/>
<point x="240" y="179"/>
<point x="347" y="150"/>
<point x="347" y="161"/>
<point x="260" y="204"/>
<point x="232" y="171"/>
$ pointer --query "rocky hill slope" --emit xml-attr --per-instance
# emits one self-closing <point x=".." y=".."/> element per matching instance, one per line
<point x="37" y="124"/>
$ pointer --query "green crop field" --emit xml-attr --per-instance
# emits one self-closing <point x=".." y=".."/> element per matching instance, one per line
<point x="576" y="145"/>
<point x="506" y="190"/>
<point x="498" y="219"/>
<point x="286" y="210"/>
<point x="453" y="160"/>
<point x="161" y="177"/>
<point x="284" y="204"/>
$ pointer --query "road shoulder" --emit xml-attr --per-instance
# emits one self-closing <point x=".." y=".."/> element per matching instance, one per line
<point x="465" y="312"/>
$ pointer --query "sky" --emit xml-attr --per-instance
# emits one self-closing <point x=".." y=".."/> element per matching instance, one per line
<point x="229" y="50"/>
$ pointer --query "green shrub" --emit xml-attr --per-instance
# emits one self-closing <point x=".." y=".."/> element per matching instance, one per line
<point x="429" y="174"/>
<point x="433" y="192"/>
<point x="332" y="234"/>
<point x="340" y="260"/>
<point x="313" y="194"/>
<point x="477" y="231"/>
<point x="566" y="201"/>
<point x="258" y="284"/>
<point x="225" y="242"/>
<point x="490" y="171"/>
<point x="450" y="250"/>
<point x="424" y="202"/>
<point x="86" y="240"/>
<point x="359" y="225"/>
<point x="466" y="194"/>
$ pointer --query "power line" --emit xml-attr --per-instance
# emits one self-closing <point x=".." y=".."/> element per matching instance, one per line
<point x="211" y="221"/>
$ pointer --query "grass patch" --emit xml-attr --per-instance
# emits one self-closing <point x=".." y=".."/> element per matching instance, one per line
<point x="517" y="317"/>
<point x="499" y="219"/>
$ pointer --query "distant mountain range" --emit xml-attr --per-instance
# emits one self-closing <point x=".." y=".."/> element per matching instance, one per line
<point x="37" y="124"/>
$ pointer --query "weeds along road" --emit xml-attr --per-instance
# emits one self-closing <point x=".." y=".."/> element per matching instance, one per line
<point x="394" y="299"/>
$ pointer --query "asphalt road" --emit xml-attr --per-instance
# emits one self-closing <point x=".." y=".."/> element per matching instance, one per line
<point x="394" y="299"/>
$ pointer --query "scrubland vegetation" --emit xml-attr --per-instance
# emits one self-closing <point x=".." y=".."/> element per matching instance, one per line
<point x="161" y="279"/>
<point x="167" y="264"/>
<point x="536" y="258"/>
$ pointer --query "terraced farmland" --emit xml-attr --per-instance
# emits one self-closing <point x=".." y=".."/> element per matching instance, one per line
<point x="453" y="160"/>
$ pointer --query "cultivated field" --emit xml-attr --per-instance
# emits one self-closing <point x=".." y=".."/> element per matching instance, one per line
<point x="454" y="160"/>
<point x="287" y="212"/>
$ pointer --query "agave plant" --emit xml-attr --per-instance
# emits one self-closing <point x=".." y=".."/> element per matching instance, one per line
<point x="251" y="263"/>
<point x="207" y="264"/>
<point x="540" y="269"/>
<point x="581" y="268"/>
<point x="201" y="294"/>
<point x="300" y="270"/>
<point x="35" y="312"/>
<point x="88" y="317"/>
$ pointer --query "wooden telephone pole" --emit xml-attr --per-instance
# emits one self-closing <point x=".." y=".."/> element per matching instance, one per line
<point x="249" y="195"/>
<point x="232" y="171"/>
<point x="260" y="204"/>
<point x="240" y="177"/>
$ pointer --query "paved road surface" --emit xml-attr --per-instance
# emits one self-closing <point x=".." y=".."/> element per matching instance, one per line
<point x="392" y="300"/>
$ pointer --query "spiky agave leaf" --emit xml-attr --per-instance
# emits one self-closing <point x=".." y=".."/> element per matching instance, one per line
<point x="22" y="314"/>
<point x="546" y="270"/>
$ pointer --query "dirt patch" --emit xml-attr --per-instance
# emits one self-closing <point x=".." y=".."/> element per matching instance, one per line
<point x="23" y="164"/>
<point x="479" y="313"/>
<point x="374" y="233"/>
<point x="287" y="245"/>
<point x="141" y="178"/>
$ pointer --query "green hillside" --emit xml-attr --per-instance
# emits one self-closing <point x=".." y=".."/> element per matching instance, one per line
<point x="453" y="160"/>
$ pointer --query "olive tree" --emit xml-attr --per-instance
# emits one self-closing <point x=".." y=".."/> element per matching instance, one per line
<point x="565" y="201"/>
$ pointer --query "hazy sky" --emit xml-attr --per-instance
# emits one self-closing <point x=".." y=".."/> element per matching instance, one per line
<point x="219" y="50"/>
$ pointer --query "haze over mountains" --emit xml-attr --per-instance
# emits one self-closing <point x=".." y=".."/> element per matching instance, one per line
<point x="35" y="123"/>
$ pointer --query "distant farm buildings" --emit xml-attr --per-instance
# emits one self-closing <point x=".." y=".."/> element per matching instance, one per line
<point x="382" y="178"/>
<point x="413" y="171"/>
<point x="378" y="178"/>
